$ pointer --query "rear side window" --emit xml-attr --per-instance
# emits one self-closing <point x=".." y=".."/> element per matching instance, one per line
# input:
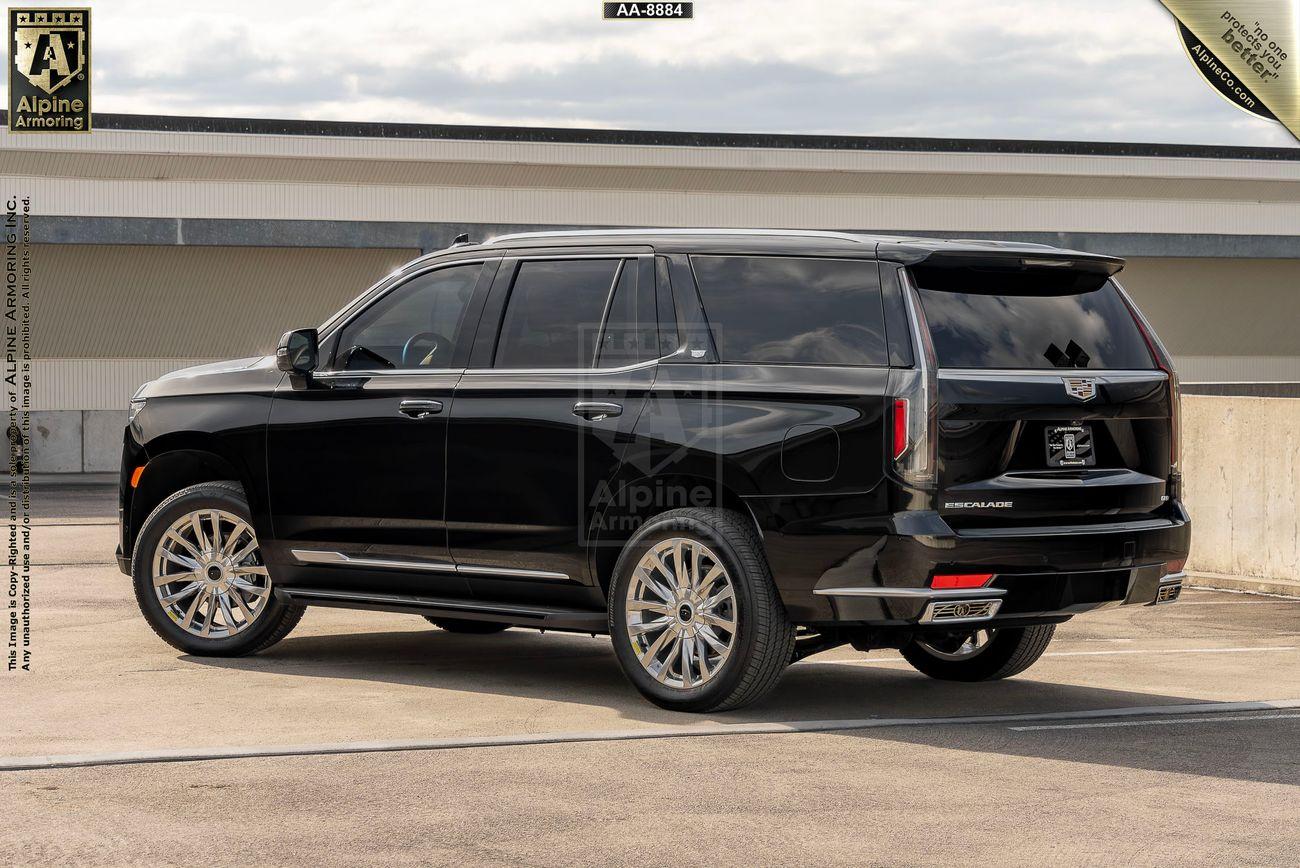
<point x="984" y="320"/>
<point x="554" y="313"/>
<point x="793" y="310"/>
<point x="629" y="333"/>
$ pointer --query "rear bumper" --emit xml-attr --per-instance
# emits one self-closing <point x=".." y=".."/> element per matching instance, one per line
<point x="1041" y="573"/>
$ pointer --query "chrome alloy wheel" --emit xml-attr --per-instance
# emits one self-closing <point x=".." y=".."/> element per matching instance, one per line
<point x="958" y="646"/>
<point x="680" y="613"/>
<point x="208" y="574"/>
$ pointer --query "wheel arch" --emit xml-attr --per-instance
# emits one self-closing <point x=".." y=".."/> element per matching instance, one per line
<point x="619" y="520"/>
<point x="178" y="461"/>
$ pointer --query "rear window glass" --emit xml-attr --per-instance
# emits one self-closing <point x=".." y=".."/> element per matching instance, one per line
<point x="789" y="310"/>
<point x="554" y="313"/>
<point x="1015" y="323"/>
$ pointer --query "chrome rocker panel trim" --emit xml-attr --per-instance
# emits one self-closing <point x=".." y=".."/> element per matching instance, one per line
<point x="339" y="559"/>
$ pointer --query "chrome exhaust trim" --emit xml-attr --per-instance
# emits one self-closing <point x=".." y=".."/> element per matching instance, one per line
<point x="1170" y="589"/>
<point x="960" y="611"/>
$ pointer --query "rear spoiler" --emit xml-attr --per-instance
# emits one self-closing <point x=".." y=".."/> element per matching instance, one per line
<point x="1024" y="258"/>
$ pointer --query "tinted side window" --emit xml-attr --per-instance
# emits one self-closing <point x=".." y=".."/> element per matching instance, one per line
<point x="788" y="310"/>
<point x="618" y="338"/>
<point x="415" y="325"/>
<point x="669" y="340"/>
<point x="554" y="313"/>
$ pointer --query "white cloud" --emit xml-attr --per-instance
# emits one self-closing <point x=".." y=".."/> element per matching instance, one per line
<point x="1101" y="69"/>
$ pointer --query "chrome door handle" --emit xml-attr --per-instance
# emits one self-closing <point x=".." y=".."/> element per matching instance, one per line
<point x="420" y="409"/>
<point x="594" y="411"/>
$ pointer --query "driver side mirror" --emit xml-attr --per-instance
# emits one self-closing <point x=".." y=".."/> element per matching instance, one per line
<point x="298" y="351"/>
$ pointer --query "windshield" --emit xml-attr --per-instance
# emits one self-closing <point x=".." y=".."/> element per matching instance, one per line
<point x="991" y="322"/>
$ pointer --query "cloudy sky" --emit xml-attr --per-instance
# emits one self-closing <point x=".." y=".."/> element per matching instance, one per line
<point x="1053" y="69"/>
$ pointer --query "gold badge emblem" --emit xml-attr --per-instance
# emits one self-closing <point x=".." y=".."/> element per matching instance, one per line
<point x="50" y="47"/>
<point x="49" y="71"/>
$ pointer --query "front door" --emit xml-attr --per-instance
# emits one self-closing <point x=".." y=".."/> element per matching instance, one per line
<point x="356" y="455"/>
<point x="540" y="427"/>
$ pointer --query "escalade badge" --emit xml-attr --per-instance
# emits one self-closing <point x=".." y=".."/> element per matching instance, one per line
<point x="1083" y="388"/>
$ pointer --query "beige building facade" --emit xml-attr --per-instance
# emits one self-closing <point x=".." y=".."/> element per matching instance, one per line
<point x="161" y="242"/>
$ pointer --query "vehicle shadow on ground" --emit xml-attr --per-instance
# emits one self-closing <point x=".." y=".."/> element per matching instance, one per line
<point x="583" y="671"/>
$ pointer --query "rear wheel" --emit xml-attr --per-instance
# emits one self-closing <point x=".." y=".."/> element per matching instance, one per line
<point x="695" y="619"/>
<point x="465" y="625"/>
<point x="983" y="654"/>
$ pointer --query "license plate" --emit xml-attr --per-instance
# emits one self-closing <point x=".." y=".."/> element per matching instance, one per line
<point x="1070" y="446"/>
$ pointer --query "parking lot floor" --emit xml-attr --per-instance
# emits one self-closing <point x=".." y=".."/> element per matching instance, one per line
<point x="1144" y="736"/>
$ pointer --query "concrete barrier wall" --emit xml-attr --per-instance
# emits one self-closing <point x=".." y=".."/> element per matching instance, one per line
<point x="76" y="441"/>
<point x="1241" y="465"/>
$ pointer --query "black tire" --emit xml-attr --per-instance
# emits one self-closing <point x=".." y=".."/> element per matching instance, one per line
<point x="271" y="624"/>
<point x="1010" y="652"/>
<point x="465" y="625"/>
<point x="764" y="637"/>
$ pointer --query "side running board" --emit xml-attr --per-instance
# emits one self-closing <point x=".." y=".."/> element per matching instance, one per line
<point x="541" y="617"/>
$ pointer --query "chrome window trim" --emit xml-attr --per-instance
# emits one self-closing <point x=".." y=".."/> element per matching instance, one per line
<point x="572" y="371"/>
<point x="565" y="371"/>
<point x="384" y="372"/>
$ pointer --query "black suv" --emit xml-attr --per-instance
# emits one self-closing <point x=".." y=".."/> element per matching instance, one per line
<point x="727" y="449"/>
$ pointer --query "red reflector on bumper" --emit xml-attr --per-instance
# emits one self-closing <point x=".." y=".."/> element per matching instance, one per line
<point x="1175" y="566"/>
<point x="961" y="580"/>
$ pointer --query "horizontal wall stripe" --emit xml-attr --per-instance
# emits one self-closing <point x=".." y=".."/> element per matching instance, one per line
<point x="465" y="173"/>
<point x="200" y="231"/>
<point x="286" y="201"/>
<point x="96" y="384"/>
<point x="998" y="157"/>
<point x="675" y="138"/>
<point x="189" y="302"/>
<point x="1237" y="369"/>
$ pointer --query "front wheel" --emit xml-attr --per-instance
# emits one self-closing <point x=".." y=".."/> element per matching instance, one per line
<point x="695" y="618"/>
<point x="978" y="655"/>
<point x="200" y="579"/>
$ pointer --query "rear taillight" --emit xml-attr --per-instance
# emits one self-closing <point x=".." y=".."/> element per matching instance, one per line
<point x="915" y="393"/>
<point x="1165" y="363"/>
<point x="961" y="580"/>
<point x="900" y="428"/>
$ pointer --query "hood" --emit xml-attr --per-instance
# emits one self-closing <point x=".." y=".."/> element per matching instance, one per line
<point x="229" y="376"/>
<point x="225" y="367"/>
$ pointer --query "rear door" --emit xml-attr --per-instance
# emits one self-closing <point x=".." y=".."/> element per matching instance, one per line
<point x="1051" y="407"/>
<point x="543" y="417"/>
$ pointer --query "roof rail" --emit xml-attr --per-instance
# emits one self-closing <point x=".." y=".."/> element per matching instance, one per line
<point x="808" y="233"/>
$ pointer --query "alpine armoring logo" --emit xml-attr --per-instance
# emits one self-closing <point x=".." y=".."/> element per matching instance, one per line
<point x="49" y="71"/>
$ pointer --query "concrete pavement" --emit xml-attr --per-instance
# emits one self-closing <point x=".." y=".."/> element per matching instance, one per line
<point x="1144" y="788"/>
